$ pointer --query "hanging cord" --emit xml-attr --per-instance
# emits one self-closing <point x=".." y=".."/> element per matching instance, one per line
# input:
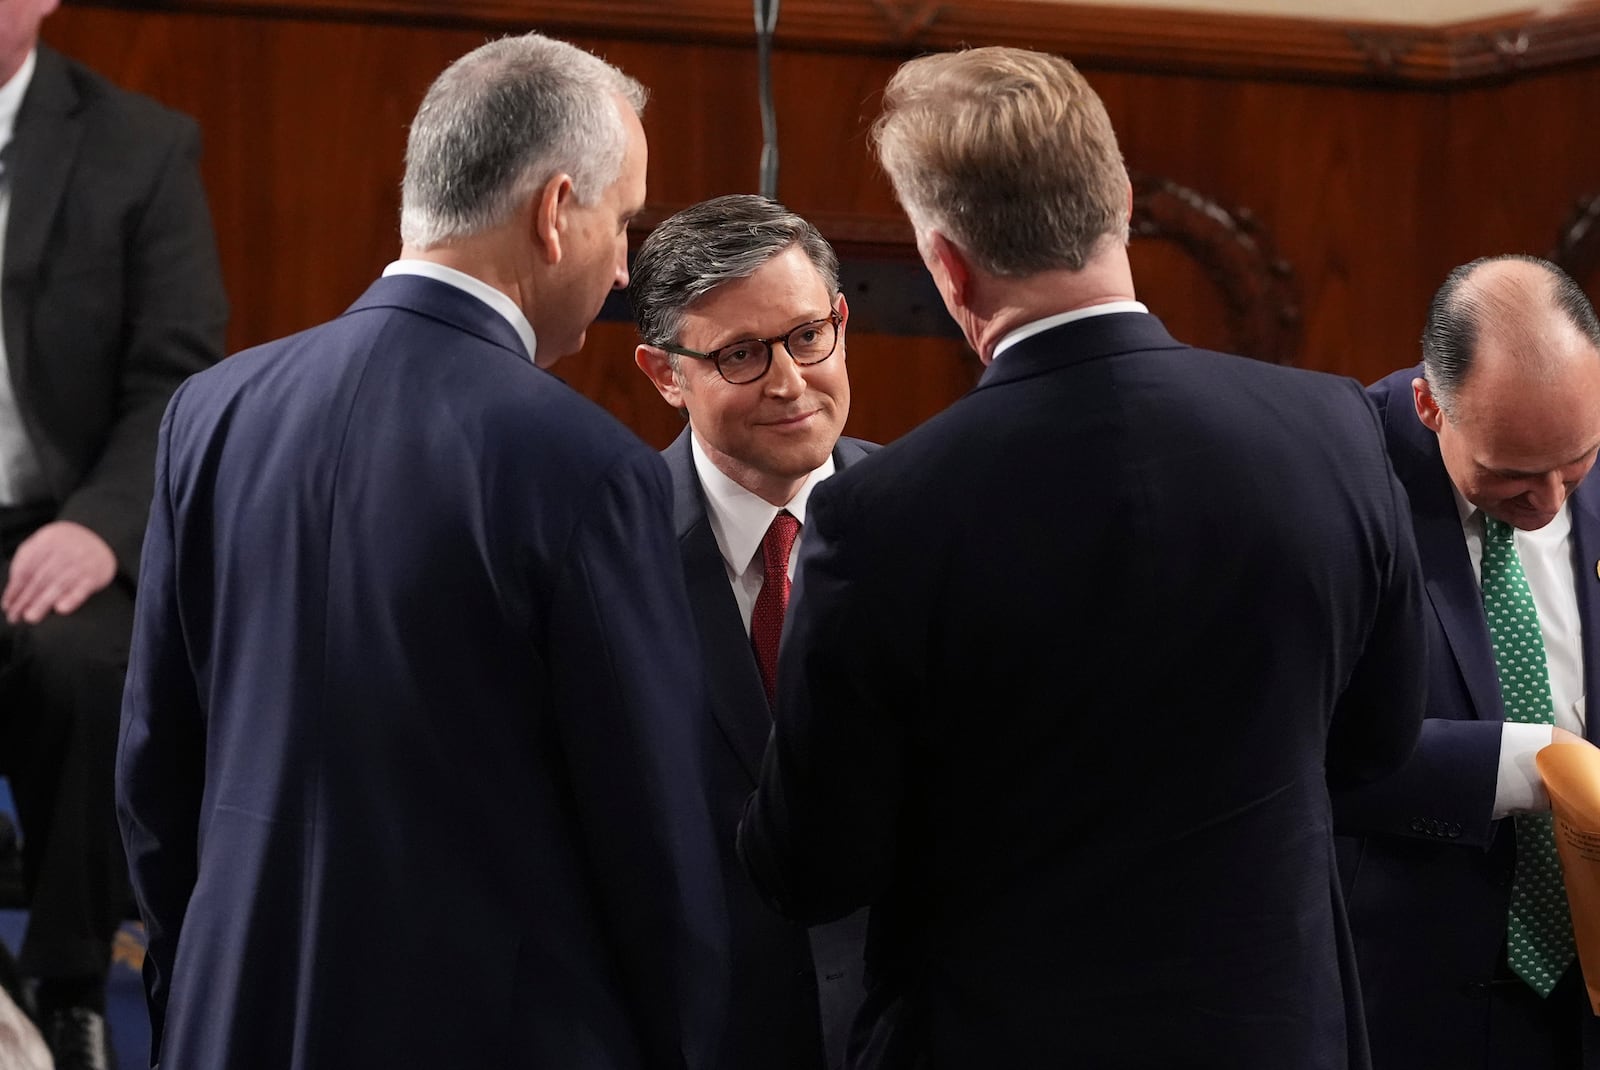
<point x="766" y="22"/>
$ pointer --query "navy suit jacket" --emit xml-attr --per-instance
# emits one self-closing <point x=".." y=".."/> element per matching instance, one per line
<point x="782" y="977"/>
<point x="1426" y="871"/>
<point x="1060" y="682"/>
<point x="409" y="769"/>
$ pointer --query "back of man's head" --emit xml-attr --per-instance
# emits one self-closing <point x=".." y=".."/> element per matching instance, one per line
<point x="712" y="243"/>
<point x="1518" y="309"/>
<point x="499" y="123"/>
<point x="1009" y="154"/>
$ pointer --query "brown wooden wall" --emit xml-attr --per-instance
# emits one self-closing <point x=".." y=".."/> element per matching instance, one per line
<point x="1303" y="214"/>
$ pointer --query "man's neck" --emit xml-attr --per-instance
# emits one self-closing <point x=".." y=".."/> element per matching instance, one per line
<point x="486" y="257"/>
<point x="1001" y="304"/>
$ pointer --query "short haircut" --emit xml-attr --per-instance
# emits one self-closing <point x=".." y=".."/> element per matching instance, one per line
<point x="709" y="244"/>
<point x="1009" y="154"/>
<point x="1456" y="317"/>
<point x="499" y="123"/>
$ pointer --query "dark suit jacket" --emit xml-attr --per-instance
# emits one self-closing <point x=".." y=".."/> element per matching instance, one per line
<point x="781" y="976"/>
<point x="111" y="293"/>
<point x="409" y="769"/>
<point x="1426" y="872"/>
<point x="1060" y="680"/>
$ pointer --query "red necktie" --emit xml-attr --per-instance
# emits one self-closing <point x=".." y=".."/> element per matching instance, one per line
<point x="766" y="621"/>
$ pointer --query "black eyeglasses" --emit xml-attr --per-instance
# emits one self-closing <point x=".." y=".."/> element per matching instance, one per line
<point x="748" y="360"/>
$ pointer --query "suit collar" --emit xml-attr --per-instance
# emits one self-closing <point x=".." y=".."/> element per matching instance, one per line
<point x="443" y="302"/>
<point x="1076" y="342"/>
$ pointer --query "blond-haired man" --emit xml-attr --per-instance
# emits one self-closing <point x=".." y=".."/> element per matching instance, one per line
<point x="1068" y="664"/>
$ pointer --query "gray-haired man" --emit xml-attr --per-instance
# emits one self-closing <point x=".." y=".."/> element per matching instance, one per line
<point x="738" y="302"/>
<point x="409" y="769"/>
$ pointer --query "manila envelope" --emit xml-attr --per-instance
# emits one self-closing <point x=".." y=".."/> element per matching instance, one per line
<point x="1571" y="773"/>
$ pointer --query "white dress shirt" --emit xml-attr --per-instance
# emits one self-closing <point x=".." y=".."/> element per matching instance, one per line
<point x="1028" y="330"/>
<point x="22" y="480"/>
<point x="740" y="519"/>
<point x="476" y="287"/>
<point x="1546" y="557"/>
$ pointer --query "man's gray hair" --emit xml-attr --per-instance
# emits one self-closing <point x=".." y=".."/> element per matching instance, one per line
<point x="499" y="123"/>
<point x="709" y="244"/>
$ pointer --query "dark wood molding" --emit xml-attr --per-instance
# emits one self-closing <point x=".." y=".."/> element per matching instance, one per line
<point x="1093" y="35"/>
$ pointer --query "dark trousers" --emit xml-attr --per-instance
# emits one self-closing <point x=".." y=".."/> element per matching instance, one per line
<point x="60" y="704"/>
<point x="1560" y="1032"/>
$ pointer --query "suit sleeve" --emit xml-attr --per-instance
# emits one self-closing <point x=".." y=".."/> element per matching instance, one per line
<point x="630" y="698"/>
<point x="818" y="835"/>
<point x="1379" y="715"/>
<point x="1444" y="788"/>
<point x="172" y="326"/>
<point x="160" y="754"/>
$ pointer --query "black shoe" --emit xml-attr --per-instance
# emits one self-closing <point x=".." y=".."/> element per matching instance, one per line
<point x="77" y="1038"/>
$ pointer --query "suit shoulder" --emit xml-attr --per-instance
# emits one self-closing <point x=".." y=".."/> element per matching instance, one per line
<point x="127" y="120"/>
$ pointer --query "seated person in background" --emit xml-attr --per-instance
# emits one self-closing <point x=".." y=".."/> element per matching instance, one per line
<point x="738" y="302"/>
<point x="112" y="297"/>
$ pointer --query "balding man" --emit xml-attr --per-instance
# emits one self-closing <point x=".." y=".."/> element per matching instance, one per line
<point x="1461" y="926"/>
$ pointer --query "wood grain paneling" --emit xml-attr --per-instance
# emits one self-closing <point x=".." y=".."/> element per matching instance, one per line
<point x="1368" y="191"/>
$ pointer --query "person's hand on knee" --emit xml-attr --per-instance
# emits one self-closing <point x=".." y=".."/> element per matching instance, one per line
<point x="56" y="570"/>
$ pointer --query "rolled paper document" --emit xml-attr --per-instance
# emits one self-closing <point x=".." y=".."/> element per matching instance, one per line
<point x="1571" y="773"/>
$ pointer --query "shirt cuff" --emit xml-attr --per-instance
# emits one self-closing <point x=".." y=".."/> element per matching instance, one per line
<point x="1518" y="787"/>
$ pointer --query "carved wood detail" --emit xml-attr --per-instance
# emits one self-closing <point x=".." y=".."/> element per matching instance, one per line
<point x="1234" y="251"/>
<point x="1258" y="286"/>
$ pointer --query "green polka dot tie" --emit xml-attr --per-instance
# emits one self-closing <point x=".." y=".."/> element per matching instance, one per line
<point x="1539" y="926"/>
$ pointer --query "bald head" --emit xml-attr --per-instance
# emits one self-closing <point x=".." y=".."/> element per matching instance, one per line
<point x="1511" y="357"/>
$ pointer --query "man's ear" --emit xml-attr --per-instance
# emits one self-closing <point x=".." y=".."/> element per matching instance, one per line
<point x="657" y="367"/>
<point x="548" y="208"/>
<point x="1428" y="410"/>
<point x="950" y="265"/>
<point x="843" y="308"/>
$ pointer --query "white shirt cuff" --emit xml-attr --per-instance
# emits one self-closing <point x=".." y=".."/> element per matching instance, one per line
<point x="1518" y="787"/>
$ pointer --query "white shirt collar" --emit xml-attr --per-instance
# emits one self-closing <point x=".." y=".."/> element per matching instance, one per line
<point x="1551" y="535"/>
<point x="11" y="95"/>
<point x="477" y="288"/>
<point x="1028" y="330"/>
<point x="739" y="519"/>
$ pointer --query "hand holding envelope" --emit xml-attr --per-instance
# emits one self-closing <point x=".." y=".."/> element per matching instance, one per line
<point x="1571" y="771"/>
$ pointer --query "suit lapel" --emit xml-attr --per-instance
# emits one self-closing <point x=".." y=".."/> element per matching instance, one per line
<point x="1586" y="578"/>
<point x="738" y="701"/>
<point x="38" y="161"/>
<point x="1453" y="590"/>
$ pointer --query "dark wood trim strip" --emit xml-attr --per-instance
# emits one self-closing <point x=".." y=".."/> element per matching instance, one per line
<point x="1095" y="36"/>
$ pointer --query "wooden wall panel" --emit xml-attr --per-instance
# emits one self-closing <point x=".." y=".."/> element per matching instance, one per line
<point x="1370" y="188"/>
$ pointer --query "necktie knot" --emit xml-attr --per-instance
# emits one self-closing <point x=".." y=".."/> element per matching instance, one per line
<point x="777" y="544"/>
<point x="1498" y="531"/>
<point x="766" y="621"/>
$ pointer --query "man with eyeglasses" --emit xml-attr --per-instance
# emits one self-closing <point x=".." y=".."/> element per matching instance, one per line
<point x="737" y="300"/>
